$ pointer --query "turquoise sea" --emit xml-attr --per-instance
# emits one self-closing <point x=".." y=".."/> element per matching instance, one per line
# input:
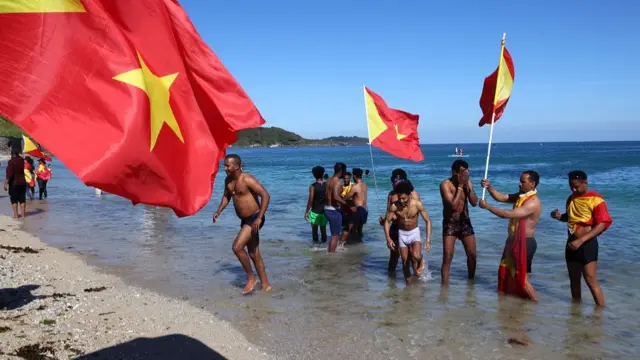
<point x="344" y="305"/>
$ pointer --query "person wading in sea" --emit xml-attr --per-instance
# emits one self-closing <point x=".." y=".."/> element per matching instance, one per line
<point x="333" y="203"/>
<point x="397" y="176"/>
<point x="358" y="193"/>
<point x="16" y="185"/>
<point x="527" y="206"/>
<point x="245" y="191"/>
<point x="405" y="212"/>
<point x="314" y="213"/>
<point x="587" y="217"/>
<point x="456" y="224"/>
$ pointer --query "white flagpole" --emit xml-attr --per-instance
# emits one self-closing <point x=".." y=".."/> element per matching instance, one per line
<point x="493" y="115"/>
<point x="373" y="168"/>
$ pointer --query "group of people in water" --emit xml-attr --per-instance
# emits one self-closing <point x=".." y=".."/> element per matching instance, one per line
<point x="341" y="205"/>
<point x="20" y="181"/>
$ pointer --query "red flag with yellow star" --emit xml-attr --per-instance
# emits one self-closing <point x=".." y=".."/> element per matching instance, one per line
<point x="393" y="131"/>
<point x="125" y="93"/>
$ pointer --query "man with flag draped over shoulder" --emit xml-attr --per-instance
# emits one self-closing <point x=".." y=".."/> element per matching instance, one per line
<point x="587" y="217"/>
<point x="517" y="256"/>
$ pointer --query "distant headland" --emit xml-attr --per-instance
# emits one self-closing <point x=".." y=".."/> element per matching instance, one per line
<point x="276" y="137"/>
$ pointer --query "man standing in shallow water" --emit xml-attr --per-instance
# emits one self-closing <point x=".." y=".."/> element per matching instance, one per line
<point x="358" y="193"/>
<point x="526" y="206"/>
<point x="245" y="190"/>
<point x="456" y="224"/>
<point x="333" y="203"/>
<point x="587" y="217"/>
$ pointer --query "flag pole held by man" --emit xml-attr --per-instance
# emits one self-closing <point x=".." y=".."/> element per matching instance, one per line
<point x="496" y="92"/>
<point x="125" y="93"/>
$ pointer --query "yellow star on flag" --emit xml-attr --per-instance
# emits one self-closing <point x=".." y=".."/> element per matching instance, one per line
<point x="157" y="89"/>
<point x="398" y="135"/>
<point x="40" y="6"/>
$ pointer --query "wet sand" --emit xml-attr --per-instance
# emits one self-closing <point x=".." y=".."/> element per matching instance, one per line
<point x="55" y="306"/>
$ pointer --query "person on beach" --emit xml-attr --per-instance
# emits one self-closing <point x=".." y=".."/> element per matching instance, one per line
<point x="333" y="204"/>
<point x="358" y="193"/>
<point x="456" y="192"/>
<point x="348" y="210"/>
<point x="29" y="177"/>
<point x="16" y="185"/>
<point x="397" y="176"/>
<point x="245" y="191"/>
<point x="405" y="212"/>
<point x="523" y="219"/>
<point x="314" y="213"/>
<point x="43" y="174"/>
<point x="587" y="217"/>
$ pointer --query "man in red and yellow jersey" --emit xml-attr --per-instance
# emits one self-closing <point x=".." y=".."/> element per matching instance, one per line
<point x="587" y="217"/>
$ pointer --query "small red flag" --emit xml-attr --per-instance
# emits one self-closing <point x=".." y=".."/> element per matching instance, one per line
<point x="393" y="131"/>
<point x="125" y="93"/>
<point x="496" y="90"/>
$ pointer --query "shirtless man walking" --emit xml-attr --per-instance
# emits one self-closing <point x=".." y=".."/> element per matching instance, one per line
<point x="456" y="224"/>
<point x="333" y="203"/>
<point x="359" y="193"/>
<point x="245" y="190"/>
<point x="526" y="206"/>
<point x="405" y="213"/>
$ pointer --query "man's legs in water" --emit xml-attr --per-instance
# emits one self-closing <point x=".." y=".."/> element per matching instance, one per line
<point x="575" y="279"/>
<point x="15" y="210"/>
<point x="239" y="244"/>
<point x="589" y="272"/>
<point x="314" y="233"/>
<point x="528" y="288"/>
<point x="448" y="246"/>
<point x="254" y="253"/>
<point x="323" y="233"/>
<point x="416" y="257"/>
<point x="406" y="264"/>
<point x="23" y="207"/>
<point x="393" y="261"/>
<point x="469" y="243"/>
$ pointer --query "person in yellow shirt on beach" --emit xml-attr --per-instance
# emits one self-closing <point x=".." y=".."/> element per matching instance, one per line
<point x="43" y="174"/>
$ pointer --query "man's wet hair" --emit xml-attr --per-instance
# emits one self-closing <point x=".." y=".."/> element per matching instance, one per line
<point x="533" y="176"/>
<point x="236" y="159"/>
<point x="326" y="176"/>
<point x="404" y="187"/>
<point x="459" y="164"/>
<point x="340" y="167"/>
<point x="347" y="174"/>
<point x="398" y="174"/>
<point x="357" y="172"/>
<point x="578" y="175"/>
<point x="318" y="172"/>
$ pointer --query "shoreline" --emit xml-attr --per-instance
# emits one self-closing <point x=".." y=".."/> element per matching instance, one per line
<point x="52" y="303"/>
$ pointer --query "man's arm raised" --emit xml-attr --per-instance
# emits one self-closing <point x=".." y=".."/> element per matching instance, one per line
<point x="497" y="195"/>
<point x="453" y="198"/>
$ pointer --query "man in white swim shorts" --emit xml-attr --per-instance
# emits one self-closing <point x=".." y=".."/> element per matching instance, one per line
<point x="405" y="213"/>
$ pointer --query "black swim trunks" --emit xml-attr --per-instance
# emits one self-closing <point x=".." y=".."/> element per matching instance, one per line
<point x="18" y="194"/>
<point x="532" y="246"/>
<point x="249" y="220"/>
<point x="460" y="228"/>
<point x="585" y="254"/>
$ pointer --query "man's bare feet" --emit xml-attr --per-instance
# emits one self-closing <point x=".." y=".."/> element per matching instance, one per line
<point x="251" y="284"/>
<point x="267" y="287"/>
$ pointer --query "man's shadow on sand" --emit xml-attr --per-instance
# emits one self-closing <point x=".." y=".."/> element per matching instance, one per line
<point x="168" y="347"/>
<point x="15" y="298"/>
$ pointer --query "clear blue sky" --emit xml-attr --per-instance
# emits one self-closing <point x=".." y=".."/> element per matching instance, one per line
<point x="304" y="63"/>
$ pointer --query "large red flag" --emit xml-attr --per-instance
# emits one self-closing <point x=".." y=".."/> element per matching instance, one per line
<point x="496" y="90"/>
<point x="391" y="130"/>
<point x="124" y="92"/>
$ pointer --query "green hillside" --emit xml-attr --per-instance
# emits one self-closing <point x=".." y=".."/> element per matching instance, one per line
<point x="274" y="136"/>
<point x="7" y="128"/>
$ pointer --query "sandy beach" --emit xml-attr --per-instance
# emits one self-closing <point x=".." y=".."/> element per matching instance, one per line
<point x="55" y="306"/>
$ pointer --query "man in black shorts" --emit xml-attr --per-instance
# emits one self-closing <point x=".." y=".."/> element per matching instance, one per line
<point x="15" y="184"/>
<point x="456" y="224"/>
<point x="587" y="217"/>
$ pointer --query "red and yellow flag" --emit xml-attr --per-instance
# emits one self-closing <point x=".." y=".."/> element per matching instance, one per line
<point x="125" y="93"/>
<point x="393" y="131"/>
<point x="512" y="271"/>
<point x="30" y="148"/>
<point x="497" y="88"/>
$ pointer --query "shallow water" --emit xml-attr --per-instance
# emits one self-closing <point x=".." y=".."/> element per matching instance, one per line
<point x="344" y="305"/>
